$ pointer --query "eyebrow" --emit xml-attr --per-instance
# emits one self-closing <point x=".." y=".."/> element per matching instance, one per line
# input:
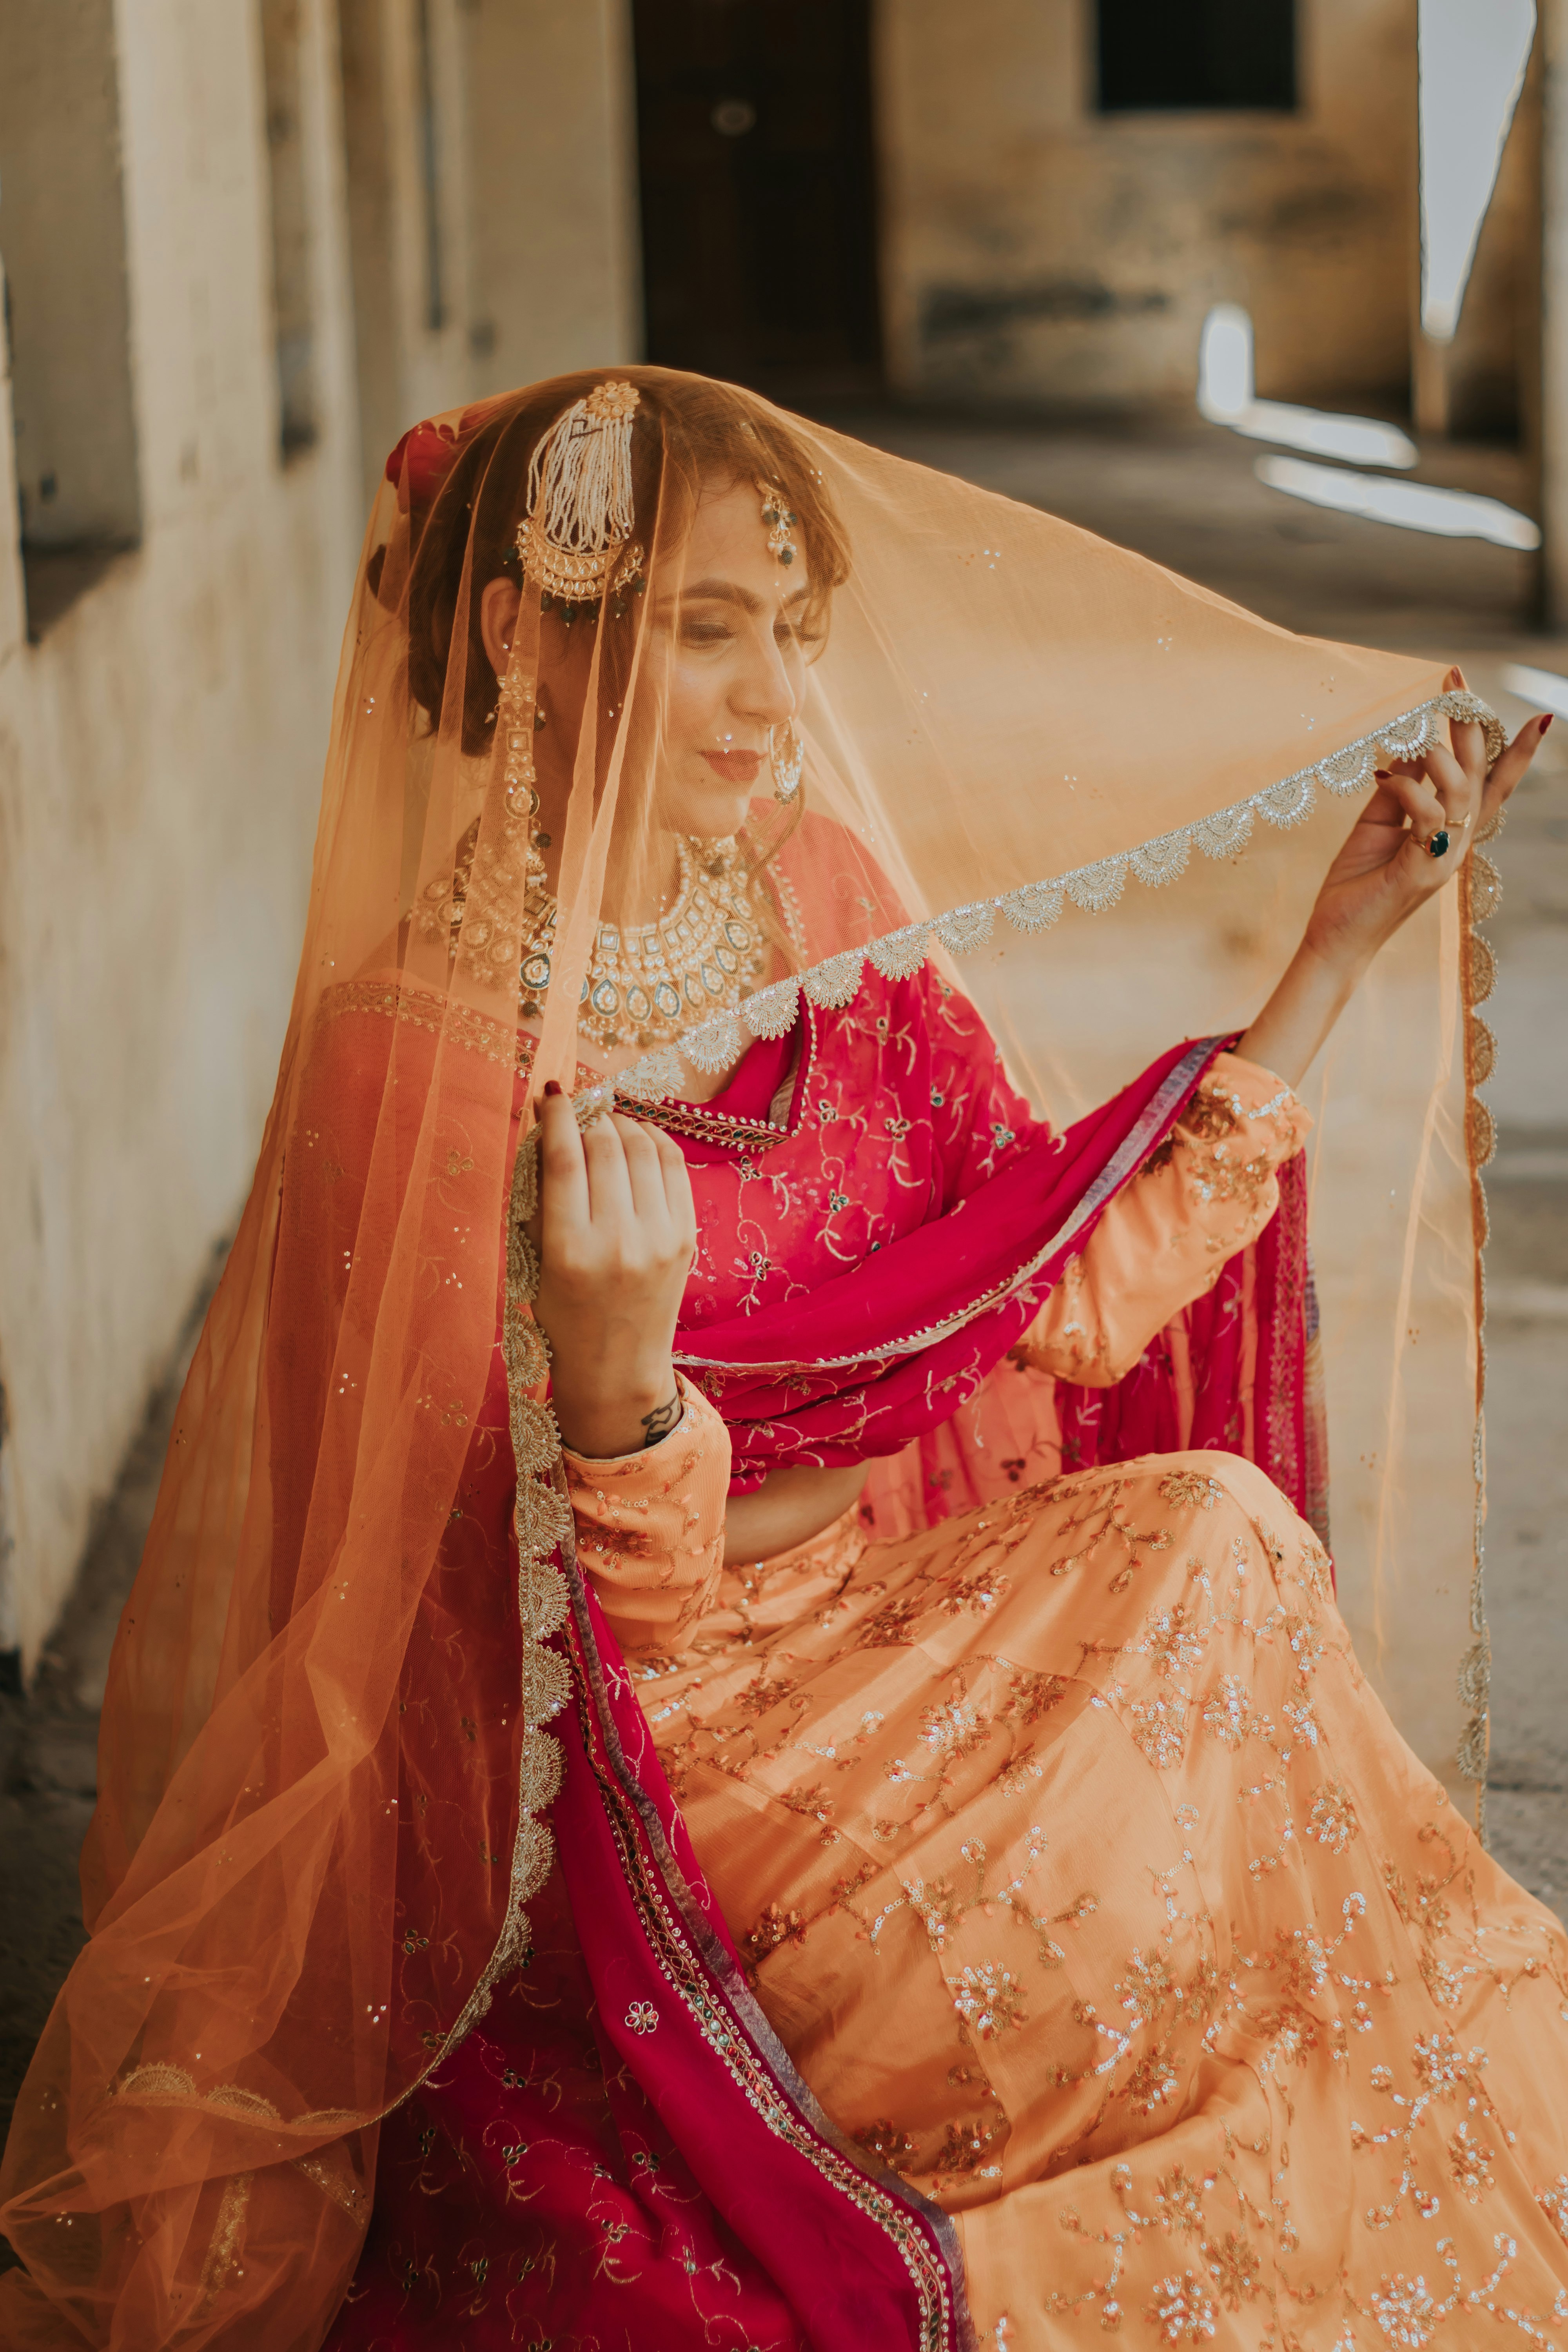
<point x="728" y="592"/>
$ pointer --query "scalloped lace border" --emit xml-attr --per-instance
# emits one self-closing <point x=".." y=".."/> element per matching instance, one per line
<point x="717" y="1043"/>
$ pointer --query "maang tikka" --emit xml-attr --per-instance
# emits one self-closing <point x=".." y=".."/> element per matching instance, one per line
<point x="786" y="749"/>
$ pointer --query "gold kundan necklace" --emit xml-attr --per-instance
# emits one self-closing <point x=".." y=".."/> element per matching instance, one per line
<point x="647" y="982"/>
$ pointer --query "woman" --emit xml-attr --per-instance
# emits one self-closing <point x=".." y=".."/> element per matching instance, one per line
<point x="769" y="1858"/>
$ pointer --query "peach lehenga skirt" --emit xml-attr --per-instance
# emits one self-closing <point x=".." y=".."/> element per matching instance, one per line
<point x="1086" y="1880"/>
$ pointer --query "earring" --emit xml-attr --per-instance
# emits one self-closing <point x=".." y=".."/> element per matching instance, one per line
<point x="786" y="749"/>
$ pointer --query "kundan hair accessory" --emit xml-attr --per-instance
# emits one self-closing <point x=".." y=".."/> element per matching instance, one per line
<point x="581" y="508"/>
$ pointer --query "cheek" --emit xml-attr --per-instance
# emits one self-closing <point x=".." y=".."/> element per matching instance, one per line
<point x="694" y="700"/>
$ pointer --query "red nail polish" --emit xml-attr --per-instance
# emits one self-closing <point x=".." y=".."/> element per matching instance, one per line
<point x="552" y="1086"/>
<point x="1383" y="774"/>
<point x="1546" y="722"/>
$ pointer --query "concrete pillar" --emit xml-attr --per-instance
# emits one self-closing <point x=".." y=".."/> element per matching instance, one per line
<point x="1553" y="422"/>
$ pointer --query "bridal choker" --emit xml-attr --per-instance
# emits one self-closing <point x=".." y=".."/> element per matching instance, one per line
<point x="647" y="982"/>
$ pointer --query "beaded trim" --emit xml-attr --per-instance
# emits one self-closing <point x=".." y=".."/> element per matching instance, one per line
<point x="497" y="1041"/>
<point x="702" y="1975"/>
<point x="542" y="1521"/>
<point x="719" y="1041"/>
<point x="1480" y="886"/>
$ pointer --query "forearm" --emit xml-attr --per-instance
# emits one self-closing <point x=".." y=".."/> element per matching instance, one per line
<point x="1162" y="1241"/>
<point x="650" y="1528"/>
<point x="1312" y="994"/>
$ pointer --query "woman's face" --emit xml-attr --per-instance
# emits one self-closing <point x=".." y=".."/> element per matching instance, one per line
<point x="727" y="647"/>
<point x="725" y="652"/>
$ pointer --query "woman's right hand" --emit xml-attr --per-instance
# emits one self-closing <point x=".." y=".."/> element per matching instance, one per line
<point x="616" y="1231"/>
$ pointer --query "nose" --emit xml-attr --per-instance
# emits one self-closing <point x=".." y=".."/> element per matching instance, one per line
<point x="764" y="692"/>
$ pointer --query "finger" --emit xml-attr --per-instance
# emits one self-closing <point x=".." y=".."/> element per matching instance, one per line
<point x="564" y="1181"/>
<point x="1470" y="742"/>
<point x="1417" y="798"/>
<point x="646" y="1177"/>
<point x="676" y="1179"/>
<point x="1469" y="749"/>
<point x="1459" y="784"/>
<point x="609" y="1187"/>
<point x="1384" y="806"/>
<point x="1513" y="765"/>
<point x="1455" y="786"/>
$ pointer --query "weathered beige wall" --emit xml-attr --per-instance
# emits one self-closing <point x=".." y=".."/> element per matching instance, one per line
<point x="160" y="753"/>
<point x="1492" y="366"/>
<point x="557" y="264"/>
<point x="63" y="237"/>
<point x="1035" y="251"/>
<point x="161" y="747"/>
<point x="528" y="264"/>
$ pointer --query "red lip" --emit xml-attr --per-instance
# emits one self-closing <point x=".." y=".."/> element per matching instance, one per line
<point x="735" y="767"/>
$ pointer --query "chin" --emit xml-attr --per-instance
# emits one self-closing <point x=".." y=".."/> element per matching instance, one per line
<point x="708" y="814"/>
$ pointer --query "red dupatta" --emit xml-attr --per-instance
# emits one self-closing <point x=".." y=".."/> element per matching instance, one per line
<point x="685" y="2132"/>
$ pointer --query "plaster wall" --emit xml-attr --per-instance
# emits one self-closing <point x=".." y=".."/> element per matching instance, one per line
<point x="63" y="237"/>
<point x="160" y="757"/>
<point x="1035" y="251"/>
<point x="1491" y="369"/>
<point x="457" y="219"/>
<point x="557" y="261"/>
<point x="491" y="195"/>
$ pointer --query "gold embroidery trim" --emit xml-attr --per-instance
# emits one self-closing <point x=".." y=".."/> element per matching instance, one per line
<point x="940" y="2328"/>
<point x="542" y="1521"/>
<point x="1480" y="891"/>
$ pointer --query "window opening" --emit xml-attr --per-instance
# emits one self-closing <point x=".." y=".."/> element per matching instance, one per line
<point x="62" y="241"/>
<point x="292" y="293"/>
<point x="430" y="167"/>
<point x="1170" y="55"/>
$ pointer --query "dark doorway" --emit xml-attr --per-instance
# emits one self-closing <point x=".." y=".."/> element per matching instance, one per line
<point x="1196" y="54"/>
<point x="759" y="192"/>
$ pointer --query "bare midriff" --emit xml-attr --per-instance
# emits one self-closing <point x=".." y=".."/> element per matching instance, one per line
<point x="789" y="1507"/>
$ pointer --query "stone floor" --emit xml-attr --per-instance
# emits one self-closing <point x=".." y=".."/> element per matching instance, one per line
<point x="1188" y="497"/>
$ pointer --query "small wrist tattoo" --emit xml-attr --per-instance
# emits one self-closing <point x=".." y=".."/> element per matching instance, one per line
<point x="658" y="1424"/>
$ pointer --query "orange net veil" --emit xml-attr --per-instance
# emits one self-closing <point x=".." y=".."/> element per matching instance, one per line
<point x="1099" y="797"/>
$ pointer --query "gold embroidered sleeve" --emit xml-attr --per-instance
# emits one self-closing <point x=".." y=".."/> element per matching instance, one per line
<point x="650" y="1528"/>
<point x="1207" y="1192"/>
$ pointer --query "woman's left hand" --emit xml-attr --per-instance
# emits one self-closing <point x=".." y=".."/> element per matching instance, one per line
<point x="1393" y="859"/>
<point x="616" y="1231"/>
<point x="1411" y="838"/>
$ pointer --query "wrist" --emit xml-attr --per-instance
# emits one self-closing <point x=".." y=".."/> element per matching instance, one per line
<point x="603" y="1426"/>
<point x="1333" y="962"/>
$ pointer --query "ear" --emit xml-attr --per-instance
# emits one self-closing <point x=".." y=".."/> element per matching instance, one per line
<point x="499" y="607"/>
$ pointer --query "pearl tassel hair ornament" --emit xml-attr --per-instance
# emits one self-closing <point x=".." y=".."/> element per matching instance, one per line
<point x="580" y="502"/>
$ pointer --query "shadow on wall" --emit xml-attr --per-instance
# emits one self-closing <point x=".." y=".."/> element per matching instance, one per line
<point x="48" y="1735"/>
<point x="974" y="326"/>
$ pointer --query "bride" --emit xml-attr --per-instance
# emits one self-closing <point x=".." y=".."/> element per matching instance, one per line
<point x="735" y="1730"/>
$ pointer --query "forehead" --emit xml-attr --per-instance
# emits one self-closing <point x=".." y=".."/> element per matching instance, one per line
<point x="729" y="540"/>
